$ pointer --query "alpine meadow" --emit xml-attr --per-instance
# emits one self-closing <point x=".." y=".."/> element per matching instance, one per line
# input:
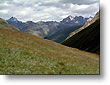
<point x="51" y="37"/>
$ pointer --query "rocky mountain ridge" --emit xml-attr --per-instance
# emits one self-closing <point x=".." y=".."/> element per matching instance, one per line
<point x="48" y="28"/>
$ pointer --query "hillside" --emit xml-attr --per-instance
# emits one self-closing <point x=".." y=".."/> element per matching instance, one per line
<point x="88" y="23"/>
<point x="27" y="54"/>
<point x="5" y="25"/>
<point x="87" y="37"/>
<point x="62" y="34"/>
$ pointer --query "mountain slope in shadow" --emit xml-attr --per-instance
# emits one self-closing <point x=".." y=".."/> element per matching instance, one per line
<point x="87" y="37"/>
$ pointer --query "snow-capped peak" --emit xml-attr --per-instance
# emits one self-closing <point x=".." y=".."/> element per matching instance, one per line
<point x="13" y="19"/>
<point x="77" y="22"/>
<point x="71" y="17"/>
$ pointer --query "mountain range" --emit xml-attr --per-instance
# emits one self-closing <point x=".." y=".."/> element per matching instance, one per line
<point x="49" y="28"/>
<point x="24" y="53"/>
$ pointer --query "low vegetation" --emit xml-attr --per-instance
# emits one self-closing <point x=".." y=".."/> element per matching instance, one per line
<point x="27" y="54"/>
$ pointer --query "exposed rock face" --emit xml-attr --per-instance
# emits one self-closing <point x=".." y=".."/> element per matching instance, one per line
<point x="72" y="21"/>
<point x="77" y="20"/>
<point x="41" y="29"/>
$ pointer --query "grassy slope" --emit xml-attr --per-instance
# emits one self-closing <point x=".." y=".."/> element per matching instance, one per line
<point x="26" y="54"/>
<point x="88" y="39"/>
<point x="5" y="25"/>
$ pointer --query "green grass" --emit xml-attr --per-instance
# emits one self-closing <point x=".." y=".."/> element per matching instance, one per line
<point x="26" y="54"/>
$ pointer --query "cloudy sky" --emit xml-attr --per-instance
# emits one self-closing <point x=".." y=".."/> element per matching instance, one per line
<point x="46" y="10"/>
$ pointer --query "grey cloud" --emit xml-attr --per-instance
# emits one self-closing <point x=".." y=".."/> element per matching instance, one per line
<point x="57" y="5"/>
<point x="80" y="1"/>
<point x="2" y="1"/>
<point x="3" y="7"/>
<point x="62" y="8"/>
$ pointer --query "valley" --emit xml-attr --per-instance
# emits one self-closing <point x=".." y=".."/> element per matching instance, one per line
<point x="52" y="30"/>
<point x="49" y="37"/>
<point x="87" y="37"/>
<point x="23" y="53"/>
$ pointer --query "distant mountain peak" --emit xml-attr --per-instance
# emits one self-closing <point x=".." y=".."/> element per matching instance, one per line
<point x="15" y="22"/>
<point x="13" y="19"/>
<point x="79" y="17"/>
<point x="70" y="17"/>
<point x="74" y="20"/>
